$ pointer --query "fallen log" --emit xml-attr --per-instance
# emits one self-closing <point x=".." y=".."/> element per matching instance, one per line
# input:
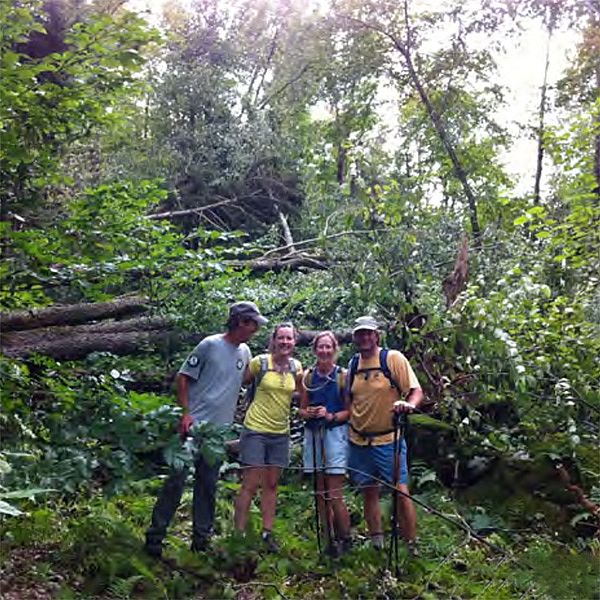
<point x="297" y="262"/>
<point x="72" y="314"/>
<point x="117" y="337"/>
<point x="21" y="343"/>
<point x="81" y="345"/>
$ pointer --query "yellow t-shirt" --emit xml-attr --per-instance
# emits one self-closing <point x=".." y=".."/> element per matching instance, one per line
<point x="373" y="398"/>
<point x="269" y="412"/>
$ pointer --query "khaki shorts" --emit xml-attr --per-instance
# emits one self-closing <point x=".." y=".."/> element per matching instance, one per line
<point x="258" y="449"/>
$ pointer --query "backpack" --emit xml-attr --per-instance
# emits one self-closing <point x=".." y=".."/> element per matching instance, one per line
<point x="383" y="367"/>
<point x="264" y="369"/>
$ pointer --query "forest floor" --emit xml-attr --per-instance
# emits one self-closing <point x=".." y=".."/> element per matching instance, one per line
<point x="92" y="548"/>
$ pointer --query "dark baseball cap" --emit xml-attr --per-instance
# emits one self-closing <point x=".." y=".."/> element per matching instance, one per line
<point x="247" y="310"/>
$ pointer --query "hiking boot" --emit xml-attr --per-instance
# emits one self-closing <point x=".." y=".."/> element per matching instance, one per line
<point x="413" y="548"/>
<point x="269" y="542"/>
<point x="153" y="550"/>
<point x="200" y="544"/>
<point x="377" y="541"/>
<point x="345" y="545"/>
<point x="333" y="550"/>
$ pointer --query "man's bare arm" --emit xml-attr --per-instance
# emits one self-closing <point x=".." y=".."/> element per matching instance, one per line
<point x="183" y="381"/>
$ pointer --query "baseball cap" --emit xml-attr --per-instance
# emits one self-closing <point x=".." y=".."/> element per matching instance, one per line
<point x="247" y="310"/>
<point x="365" y="323"/>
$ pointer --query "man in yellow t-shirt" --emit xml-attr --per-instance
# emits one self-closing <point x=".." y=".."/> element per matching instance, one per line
<point x="372" y="400"/>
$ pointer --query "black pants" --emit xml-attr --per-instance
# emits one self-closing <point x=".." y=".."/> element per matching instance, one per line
<point x="203" y="507"/>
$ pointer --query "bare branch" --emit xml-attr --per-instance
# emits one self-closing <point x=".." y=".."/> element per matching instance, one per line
<point x="191" y="211"/>
<point x="286" y="85"/>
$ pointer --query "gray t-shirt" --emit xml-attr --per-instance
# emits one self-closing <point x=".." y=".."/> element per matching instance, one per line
<point x="216" y="368"/>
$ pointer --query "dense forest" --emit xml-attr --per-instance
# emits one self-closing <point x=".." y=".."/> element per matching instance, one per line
<point x="325" y="160"/>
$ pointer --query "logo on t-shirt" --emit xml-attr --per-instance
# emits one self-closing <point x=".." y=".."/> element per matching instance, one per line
<point x="193" y="360"/>
<point x="239" y="364"/>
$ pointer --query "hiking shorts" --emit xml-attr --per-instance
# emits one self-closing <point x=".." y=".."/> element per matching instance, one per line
<point x="368" y="464"/>
<point x="258" y="449"/>
<point x="335" y="442"/>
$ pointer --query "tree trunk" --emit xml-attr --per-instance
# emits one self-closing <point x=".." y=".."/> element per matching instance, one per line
<point x="454" y="284"/>
<point x="79" y="345"/>
<point x="119" y="337"/>
<point x="341" y="164"/>
<point x="459" y="170"/>
<point x="597" y="136"/>
<point x="541" y="124"/>
<point x="285" y="227"/>
<point x="72" y="314"/>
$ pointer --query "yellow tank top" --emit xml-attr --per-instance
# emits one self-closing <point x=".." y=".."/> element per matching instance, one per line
<point x="270" y="409"/>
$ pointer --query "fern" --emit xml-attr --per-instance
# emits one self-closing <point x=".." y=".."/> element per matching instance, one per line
<point x="123" y="588"/>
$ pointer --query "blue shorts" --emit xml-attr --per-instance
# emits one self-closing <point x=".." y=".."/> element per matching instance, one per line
<point x="367" y="464"/>
<point x="335" y="441"/>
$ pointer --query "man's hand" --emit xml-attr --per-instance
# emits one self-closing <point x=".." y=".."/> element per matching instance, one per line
<point x="401" y="406"/>
<point x="184" y="424"/>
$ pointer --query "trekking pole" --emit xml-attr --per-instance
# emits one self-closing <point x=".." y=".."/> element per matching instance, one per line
<point x="326" y="500"/>
<point x="315" y="489"/>
<point x="399" y="423"/>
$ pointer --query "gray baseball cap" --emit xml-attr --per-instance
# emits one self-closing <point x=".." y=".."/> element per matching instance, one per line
<point x="365" y="323"/>
<point x="247" y="310"/>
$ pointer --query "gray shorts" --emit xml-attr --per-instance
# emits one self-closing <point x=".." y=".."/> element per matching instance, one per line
<point x="259" y="449"/>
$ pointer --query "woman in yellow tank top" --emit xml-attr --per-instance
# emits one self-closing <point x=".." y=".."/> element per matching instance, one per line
<point x="265" y="439"/>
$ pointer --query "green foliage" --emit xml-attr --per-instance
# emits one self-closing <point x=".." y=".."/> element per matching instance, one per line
<point x="269" y="108"/>
<point x="100" y="547"/>
<point x="49" y="102"/>
<point x="92" y="431"/>
<point x="104" y="245"/>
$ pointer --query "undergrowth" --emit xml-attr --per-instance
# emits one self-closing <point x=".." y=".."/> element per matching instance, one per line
<point x="97" y="544"/>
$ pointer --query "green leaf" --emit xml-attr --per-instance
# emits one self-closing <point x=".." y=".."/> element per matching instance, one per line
<point x="8" y="509"/>
<point x="28" y="493"/>
<point x="521" y="220"/>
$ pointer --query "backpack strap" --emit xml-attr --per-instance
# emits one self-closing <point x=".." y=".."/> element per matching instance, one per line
<point x="251" y="389"/>
<point x="293" y="367"/>
<point x="385" y="369"/>
<point x="341" y="382"/>
<point x="369" y="436"/>
<point x="264" y="368"/>
<point x="352" y="368"/>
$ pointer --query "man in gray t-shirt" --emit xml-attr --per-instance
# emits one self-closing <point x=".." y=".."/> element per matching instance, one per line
<point x="214" y="370"/>
<point x="208" y="384"/>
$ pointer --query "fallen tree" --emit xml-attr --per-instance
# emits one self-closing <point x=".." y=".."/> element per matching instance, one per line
<point x="72" y="342"/>
<point x="73" y="331"/>
<point x="72" y="314"/>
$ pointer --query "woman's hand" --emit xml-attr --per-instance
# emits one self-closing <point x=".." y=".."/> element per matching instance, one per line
<point x="319" y="412"/>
